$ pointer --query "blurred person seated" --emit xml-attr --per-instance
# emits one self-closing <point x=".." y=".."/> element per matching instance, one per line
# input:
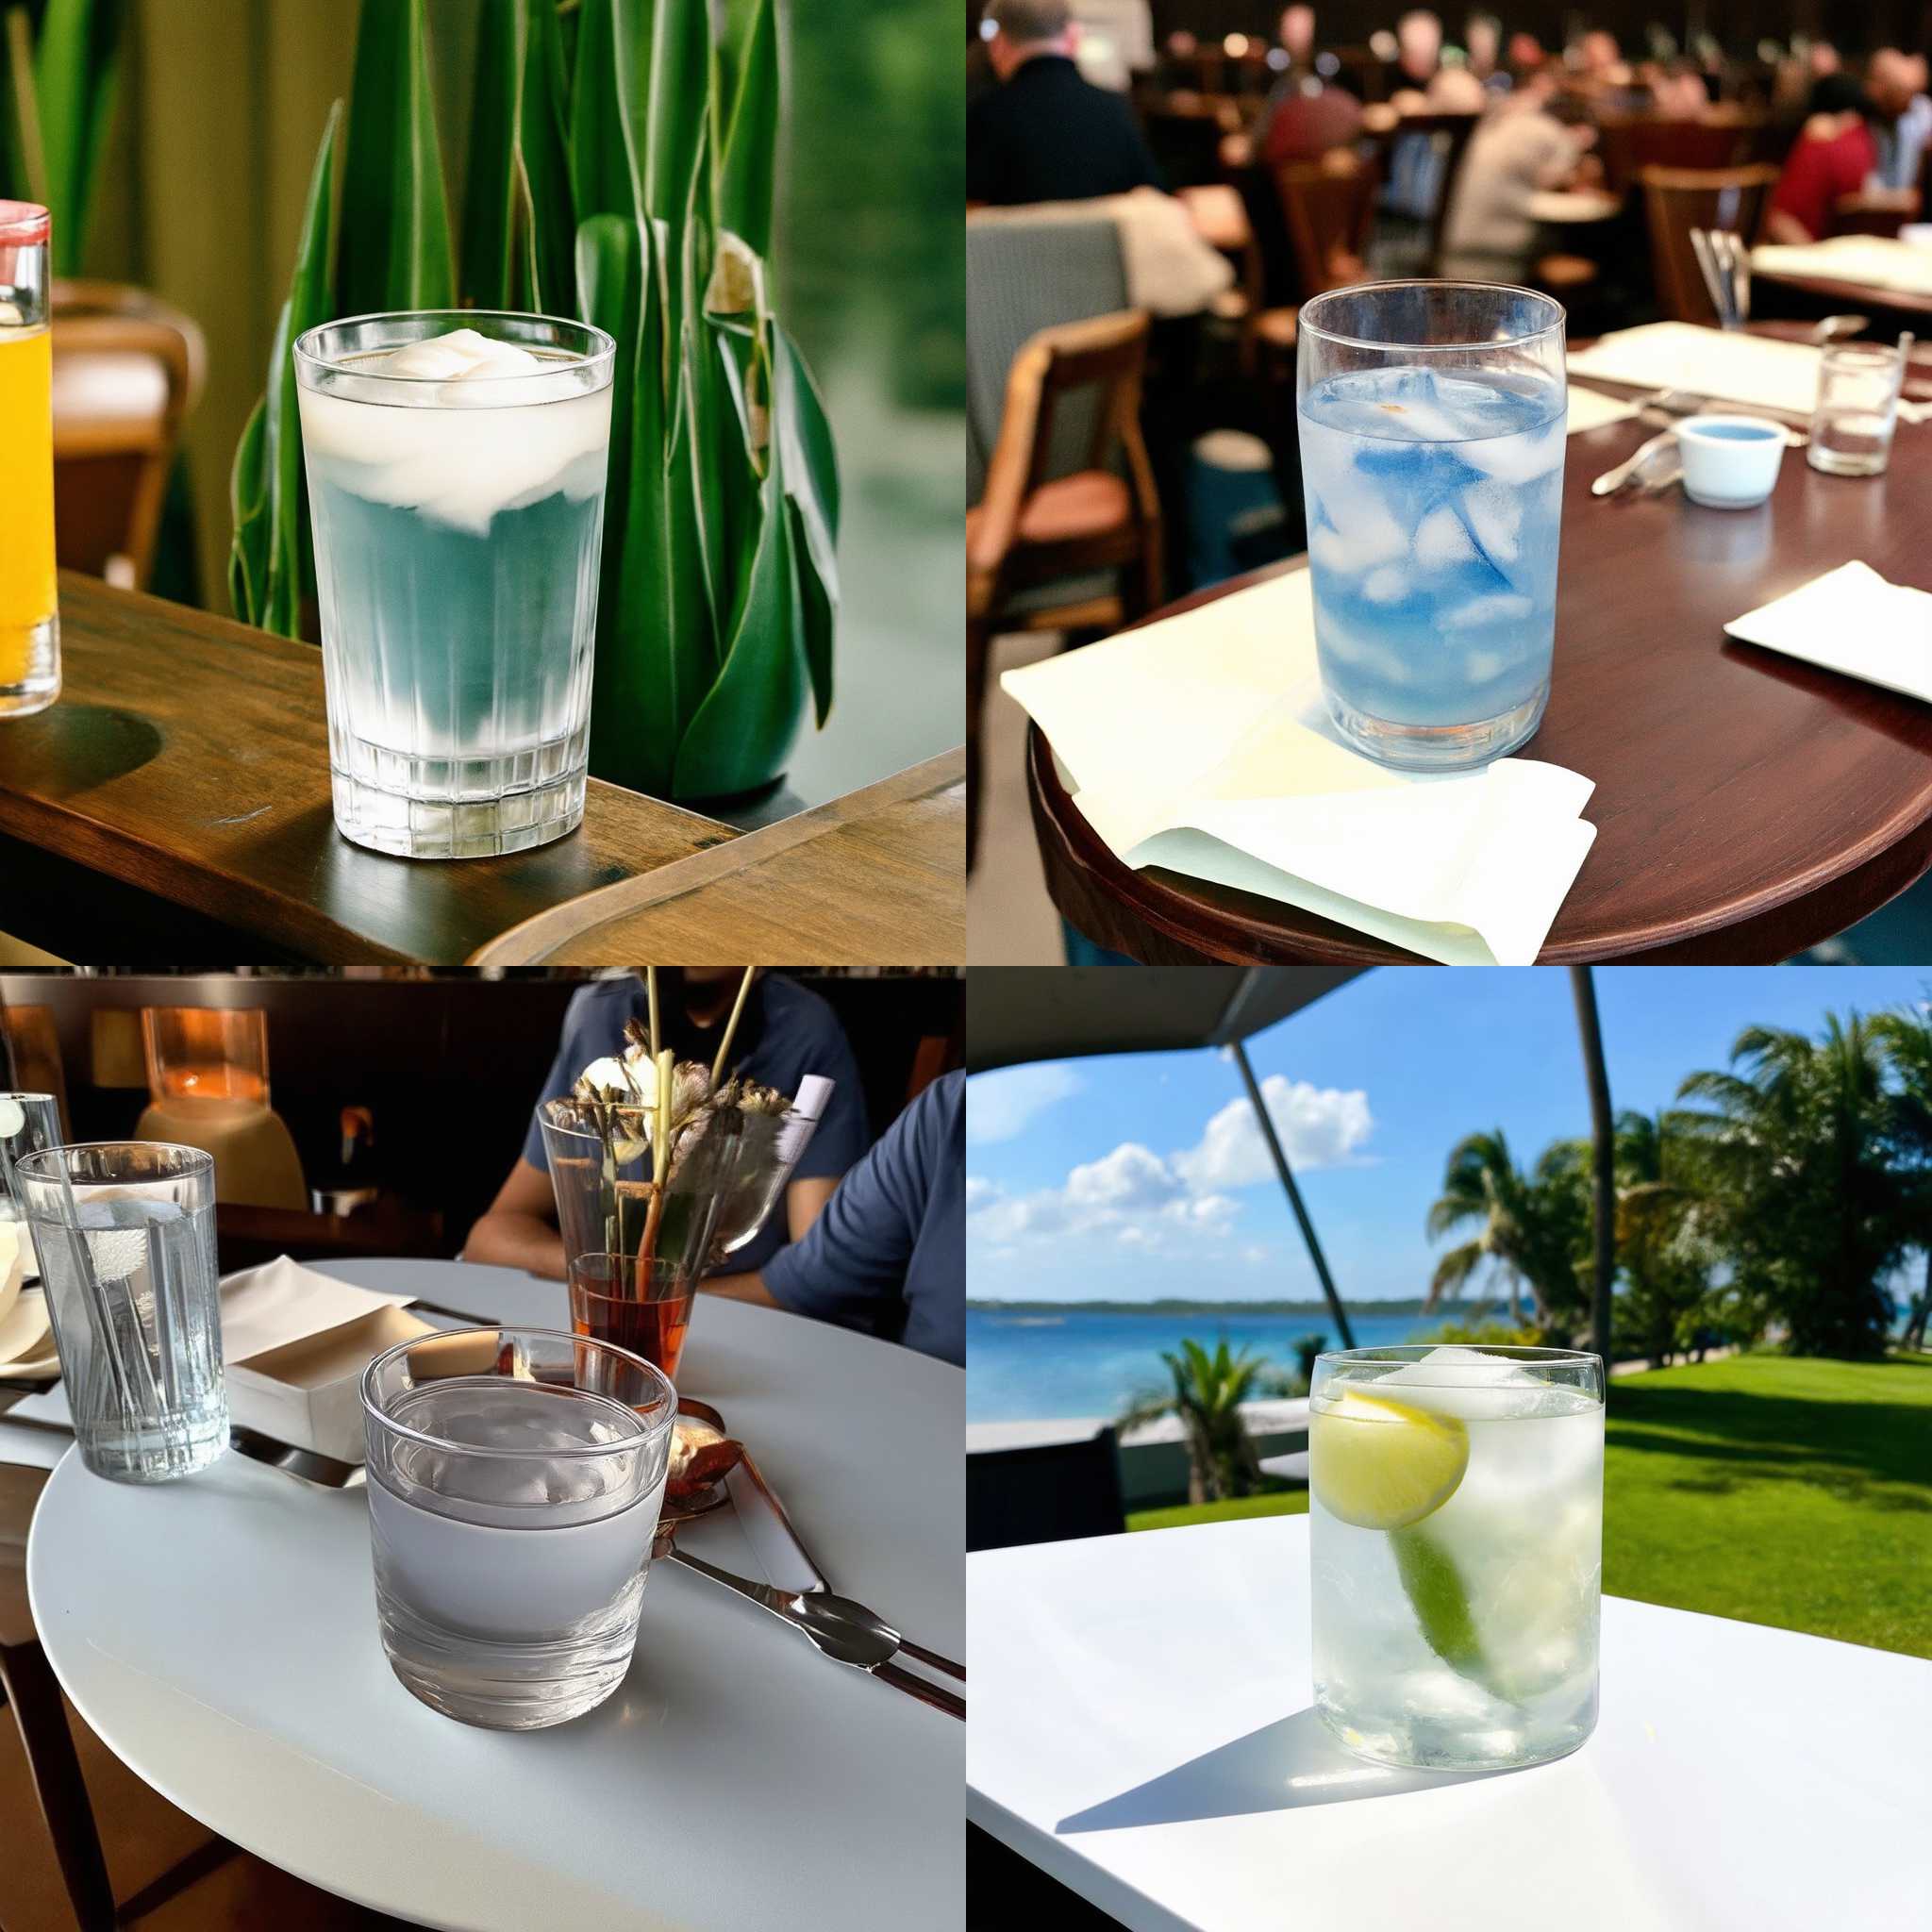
<point x="1597" y="62"/>
<point x="1483" y="33"/>
<point x="1834" y="155"/>
<point x="785" y="1032"/>
<point x="1540" y="141"/>
<point x="1525" y="55"/>
<point x="1901" y="115"/>
<point x="1044" y="133"/>
<point x="1304" y="117"/>
<point x="1453" y="89"/>
<point x="1296" y="37"/>
<point x="1677" y="91"/>
<point x="888" y="1257"/>
<point x="1418" y="54"/>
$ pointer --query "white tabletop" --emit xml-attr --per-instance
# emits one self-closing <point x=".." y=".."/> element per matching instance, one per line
<point x="220" y="1634"/>
<point x="1142" y="1731"/>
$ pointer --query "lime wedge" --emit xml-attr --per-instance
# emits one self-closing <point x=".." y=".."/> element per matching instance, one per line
<point x="1384" y="1465"/>
<point x="1440" y="1598"/>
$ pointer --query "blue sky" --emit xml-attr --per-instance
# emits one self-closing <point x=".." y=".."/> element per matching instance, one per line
<point x="1141" y="1174"/>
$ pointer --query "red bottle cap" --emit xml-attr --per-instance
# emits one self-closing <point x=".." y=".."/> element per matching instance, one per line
<point x="21" y="225"/>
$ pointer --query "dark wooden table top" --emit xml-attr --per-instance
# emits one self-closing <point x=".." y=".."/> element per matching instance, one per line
<point x="186" y="768"/>
<point x="1747" y="805"/>
<point x="1831" y="292"/>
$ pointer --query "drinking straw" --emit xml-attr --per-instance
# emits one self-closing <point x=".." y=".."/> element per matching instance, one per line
<point x="167" y="1332"/>
<point x="96" y="1299"/>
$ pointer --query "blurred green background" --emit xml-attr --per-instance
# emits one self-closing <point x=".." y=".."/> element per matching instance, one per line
<point x="220" y="106"/>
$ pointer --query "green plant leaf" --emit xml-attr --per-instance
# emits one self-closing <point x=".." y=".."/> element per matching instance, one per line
<point x="76" y="69"/>
<point x="604" y="167"/>
<point x="748" y="720"/>
<point x="812" y="472"/>
<point x="542" y="144"/>
<point x="395" y="214"/>
<point x="747" y="168"/>
<point x="487" y="263"/>
<point x="678" y="93"/>
<point x="265" y="557"/>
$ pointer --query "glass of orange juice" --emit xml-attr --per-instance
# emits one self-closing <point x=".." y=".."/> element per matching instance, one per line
<point x="29" y="618"/>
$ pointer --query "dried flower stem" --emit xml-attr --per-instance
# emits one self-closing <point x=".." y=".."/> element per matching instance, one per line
<point x="730" y="1028"/>
<point x="650" y="991"/>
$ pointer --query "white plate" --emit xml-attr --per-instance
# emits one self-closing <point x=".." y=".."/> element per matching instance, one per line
<point x="23" y="1332"/>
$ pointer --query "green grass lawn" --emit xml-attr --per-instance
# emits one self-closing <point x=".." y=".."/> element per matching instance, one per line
<point x="1788" y="1491"/>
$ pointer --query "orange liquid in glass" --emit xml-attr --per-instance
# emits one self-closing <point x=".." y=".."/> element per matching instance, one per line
<point x="654" y="1329"/>
<point x="27" y="462"/>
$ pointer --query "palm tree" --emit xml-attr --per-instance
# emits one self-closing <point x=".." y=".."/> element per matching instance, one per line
<point x="1800" y="1142"/>
<point x="1906" y="1038"/>
<point x="1662" y="1249"/>
<point x="1530" y="1229"/>
<point x="1208" y="1390"/>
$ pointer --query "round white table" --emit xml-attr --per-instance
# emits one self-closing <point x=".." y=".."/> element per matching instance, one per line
<point x="1142" y="1730"/>
<point x="219" y="1634"/>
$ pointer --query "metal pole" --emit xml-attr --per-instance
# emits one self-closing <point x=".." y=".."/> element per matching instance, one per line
<point x="1294" y="1195"/>
<point x="1604" y="1147"/>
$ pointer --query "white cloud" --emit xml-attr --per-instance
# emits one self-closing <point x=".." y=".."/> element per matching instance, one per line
<point x="1319" y="1126"/>
<point x="1131" y="1178"/>
<point x="1000" y="1105"/>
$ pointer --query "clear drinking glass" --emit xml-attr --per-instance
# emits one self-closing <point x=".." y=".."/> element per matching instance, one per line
<point x="640" y="1306"/>
<point x="125" y="1234"/>
<point x="515" y="1477"/>
<point x="1455" y="1526"/>
<point x="1856" y="409"/>
<point x="1431" y="417"/>
<point x="29" y="614"/>
<point x="29" y="1124"/>
<point x="458" y="523"/>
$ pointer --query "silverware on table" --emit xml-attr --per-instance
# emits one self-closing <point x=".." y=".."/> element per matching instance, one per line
<point x="1615" y="478"/>
<point x="308" y="1465"/>
<point x="1835" y="328"/>
<point x="836" y="1626"/>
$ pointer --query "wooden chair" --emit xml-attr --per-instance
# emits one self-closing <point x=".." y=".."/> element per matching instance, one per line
<point x="126" y="371"/>
<point x="1034" y="536"/>
<point x="1875" y="211"/>
<point x="1328" y="208"/>
<point x="1449" y="135"/>
<point x="1676" y="200"/>
<point x="1630" y="144"/>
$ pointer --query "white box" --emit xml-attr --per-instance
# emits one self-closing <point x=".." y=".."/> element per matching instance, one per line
<point x="307" y="1391"/>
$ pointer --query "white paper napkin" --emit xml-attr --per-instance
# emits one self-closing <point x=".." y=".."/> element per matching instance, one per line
<point x="262" y="1309"/>
<point x="1851" y="620"/>
<point x="1874" y="259"/>
<point x="1723" y="363"/>
<point x="1591" y="408"/>
<point x="1197" y="744"/>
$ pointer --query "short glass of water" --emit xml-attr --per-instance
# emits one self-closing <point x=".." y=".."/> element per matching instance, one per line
<point x="515" y="1477"/>
<point x="1455" y="1532"/>
<point x="457" y="465"/>
<point x="1856" y="409"/>
<point x="125" y="1235"/>
<point x="1431" y="417"/>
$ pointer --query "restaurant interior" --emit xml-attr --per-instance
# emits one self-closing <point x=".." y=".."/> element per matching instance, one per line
<point x="1133" y="338"/>
<point x="360" y="1123"/>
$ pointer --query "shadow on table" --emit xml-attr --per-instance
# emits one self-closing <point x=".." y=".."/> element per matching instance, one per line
<point x="70" y="749"/>
<point x="1292" y="1762"/>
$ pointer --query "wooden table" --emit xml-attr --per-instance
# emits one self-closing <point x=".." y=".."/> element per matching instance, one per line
<point x="1827" y="295"/>
<point x="174" y="806"/>
<point x="1747" y="805"/>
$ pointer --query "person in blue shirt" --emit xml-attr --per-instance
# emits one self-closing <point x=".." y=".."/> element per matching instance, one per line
<point x="785" y="1032"/>
<point x="888" y="1257"/>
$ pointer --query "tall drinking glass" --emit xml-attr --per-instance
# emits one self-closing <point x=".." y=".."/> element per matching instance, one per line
<point x="515" y="1477"/>
<point x="1456" y="1529"/>
<point x="29" y="617"/>
<point x="29" y="1124"/>
<point x="456" y="489"/>
<point x="125" y="1232"/>
<point x="1431" y="417"/>
<point x="1857" y="411"/>
<point x="640" y="1306"/>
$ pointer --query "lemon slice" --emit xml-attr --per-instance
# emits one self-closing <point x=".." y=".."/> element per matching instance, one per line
<point x="1383" y="1465"/>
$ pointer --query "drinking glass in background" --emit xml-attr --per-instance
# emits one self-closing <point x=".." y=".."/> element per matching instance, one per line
<point x="458" y="519"/>
<point x="29" y="614"/>
<point x="125" y="1234"/>
<point x="1455" y="1539"/>
<point x="515" y="1477"/>
<point x="1856" y="409"/>
<point x="1431" y="417"/>
<point x="640" y="1306"/>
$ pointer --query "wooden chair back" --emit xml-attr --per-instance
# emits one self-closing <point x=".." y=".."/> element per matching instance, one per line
<point x="1449" y="135"/>
<point x="1676" y="200"/>
<point x="1104" y="359"/>
<point x="1630" y="144"/>
<point x="126" y="371"/>
<point x="1882" y="211"/>
<point x="1328" y="206"/>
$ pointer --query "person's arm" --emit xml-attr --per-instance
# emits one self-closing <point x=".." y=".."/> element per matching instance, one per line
<point x="518" y="1229"/>
<point x="1800" y="202"/>
<point x="805" y="1201"/>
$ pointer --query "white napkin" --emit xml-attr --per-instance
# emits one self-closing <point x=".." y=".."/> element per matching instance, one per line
<point x="1851" y="620"/>
<point x="1874" y="259"/>
<point x="1722" y="363"/>
<point x="1196" y="744"/>
<point x="1591" y="408"/>
<point x="262" y="1309"/>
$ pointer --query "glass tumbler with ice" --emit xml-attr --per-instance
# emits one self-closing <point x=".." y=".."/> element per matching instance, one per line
<point x="515" y="1477"/>
<point x="457" y="467"/>
<point x="1455" y="1532"/>
<point x="1431" y="419"/>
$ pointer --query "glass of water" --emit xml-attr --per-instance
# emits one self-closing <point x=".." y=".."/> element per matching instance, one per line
<point x="29" y="1124"/>
<point x="515" y="1477"/>
<point x="125" y="1235"/>
<point x="1431" y="417"/>
<point x="1455" y="1532"/>
<point x="1856" y="409"/>
<point x="457" y="465"/>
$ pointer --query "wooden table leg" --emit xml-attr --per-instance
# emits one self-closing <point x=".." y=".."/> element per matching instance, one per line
<point x="58" y="1783"/>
